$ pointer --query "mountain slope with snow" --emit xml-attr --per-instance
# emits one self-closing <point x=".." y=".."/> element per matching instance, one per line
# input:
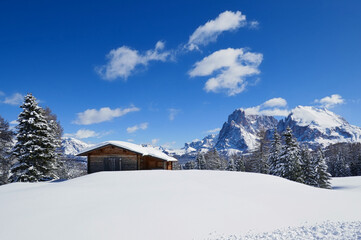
<point x="319" y="127"/>
<point x="169" y="205"/>
<point x="72" y="146"/>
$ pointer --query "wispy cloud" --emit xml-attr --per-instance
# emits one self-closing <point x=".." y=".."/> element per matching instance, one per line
<point x="91" y="116"/>
<point x="15" y="99"/>
<point x="209" y="32"/>
<point x="137" y="127"/>
<point x="216" y="130"/>
<point x="154" y="141"/>
<point x="272" y="107"/>
<point x="123" y="61"/>
<point x="330" y="101"/>
<point x="231" y="68"/>
<point x="172" y="113"/>
<point x="86" y="133"/>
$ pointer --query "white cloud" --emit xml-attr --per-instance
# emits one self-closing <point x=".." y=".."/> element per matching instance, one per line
<point x="14" y="122"/>
<point x="172" y="113"/>
<point x="275" y="102"/>
<point x="216" y="130"/>
<point x="86" y="133"/>
<point x="330" y="101"/>
<point x="169" y="145"/>
<point x="15" y="99"/>
<point x="135" y="128"/>
<point x="123" y="61"/>
<point x="226" y="21"/>
<point x="272" y="107"/>
<point x="155" y="141"/>
<point x="253" y="24"/>
<point x="91" y="116"/>
<point x="2" y="93"/>
<point x="231" y="67"/>
<point x="130" y="140"/>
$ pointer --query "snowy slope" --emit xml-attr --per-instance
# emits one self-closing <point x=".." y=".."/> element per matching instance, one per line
<point x="169" y="205"/>
<point x="73" y="146"/>
<point x="319" y="127"/>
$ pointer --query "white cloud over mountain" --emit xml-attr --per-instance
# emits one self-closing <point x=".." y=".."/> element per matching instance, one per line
<point x="330" y="101"/>
<point x="271" y="107"/>
<point x="230" y="69"/>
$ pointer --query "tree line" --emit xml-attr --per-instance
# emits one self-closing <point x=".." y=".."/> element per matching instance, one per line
<point x="282" y="157"/>
<point x="33" y="152"/>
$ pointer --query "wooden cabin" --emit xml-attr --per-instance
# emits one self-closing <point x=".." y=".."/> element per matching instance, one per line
<point x="123" y="156"/>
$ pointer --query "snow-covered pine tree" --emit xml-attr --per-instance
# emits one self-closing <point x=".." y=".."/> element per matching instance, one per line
<point x="231" y="165"/>
<point x="201" y="163"/>
<point x="57" y="131"/>
<point x="290" y="158"/>
<point x="323" y="177"/>
<point x="274" y="163"/>
<point x="308" y="167"/>
<point x="238" y="161"/>
<point x="259" y="157"/>
<point x="6" y="142"/>
<point x="35" y="150"/>
<point x="189" y="165"/>
<point x="213" y="160"/>
<point x="341" y="168"/>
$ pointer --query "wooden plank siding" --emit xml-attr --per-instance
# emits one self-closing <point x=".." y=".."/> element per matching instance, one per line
<point x="126" y="160"/>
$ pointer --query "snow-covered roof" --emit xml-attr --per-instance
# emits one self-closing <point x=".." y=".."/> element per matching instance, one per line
<point x="143" y="150"/>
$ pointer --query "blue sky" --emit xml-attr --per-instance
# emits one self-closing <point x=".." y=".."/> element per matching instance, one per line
<point x="168" y="72"/>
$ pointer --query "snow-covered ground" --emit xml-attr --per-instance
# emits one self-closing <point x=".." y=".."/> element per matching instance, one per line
<point x="180" y="205"/>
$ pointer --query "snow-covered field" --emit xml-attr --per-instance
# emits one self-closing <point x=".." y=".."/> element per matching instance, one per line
<point x="180" y="205"/>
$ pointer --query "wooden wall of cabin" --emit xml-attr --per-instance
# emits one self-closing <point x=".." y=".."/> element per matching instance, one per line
<point x="128" y="160"/>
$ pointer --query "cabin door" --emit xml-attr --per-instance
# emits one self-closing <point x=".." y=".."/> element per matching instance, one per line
<point x="112" y="164"/>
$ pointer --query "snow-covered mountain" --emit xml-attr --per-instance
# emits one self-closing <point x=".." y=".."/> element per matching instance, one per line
<point x="319" y="127"/>
<point x="240" y="131"/>
<point x="310" y="125"/>
<point x="72" y="146"/>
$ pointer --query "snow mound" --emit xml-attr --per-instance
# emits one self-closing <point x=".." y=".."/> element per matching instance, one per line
<point x="327" y="230"/>
<point x="170" y="205"/>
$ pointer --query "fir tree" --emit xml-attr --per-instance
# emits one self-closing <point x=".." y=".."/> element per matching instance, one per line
<point x="231" y="165"/>
<point x="308" y="167"/>
<point x="35" y="149"/>
<point x="238" y="160"/>
<point x="190" y="165"/>
<point x="290" y="158"/>
<point x="274" y="163"/>
<point x="259" y="156"/>
<point x="6" y="139"/>
<point x="201" y="161"/>
<point x="323" y="177"/>
<point x="213" y="160"/>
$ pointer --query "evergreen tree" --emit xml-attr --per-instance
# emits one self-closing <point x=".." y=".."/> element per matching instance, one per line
<point x="259" y="156"/>
<point x="201" y="161"/>
<point x="274" y="163"/>
<point x="56" y="131"/>
<point x="231" y="165"/>
<point x="190" y="165"/>
<point x="35" y="149"/>
<point x="213" y="160"/>
<point x="323" y="177"/>
<point x="290" y="158"/>
<point x="238" y="161"/>
<point x="308" y="167"/>
<point x="6" y="142"/>
<point x="341" y="168"/>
